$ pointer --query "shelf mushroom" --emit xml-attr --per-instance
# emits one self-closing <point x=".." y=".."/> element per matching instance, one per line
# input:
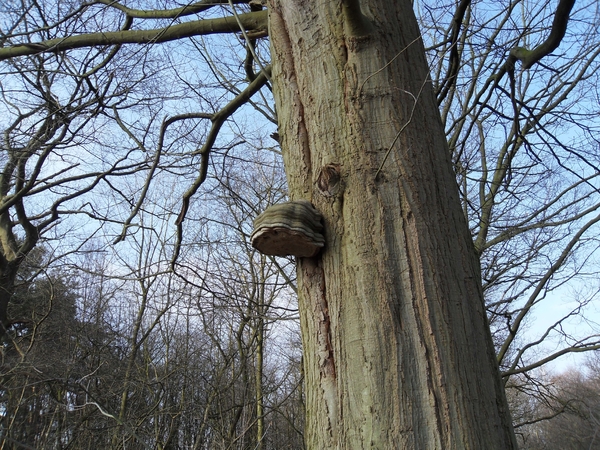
<point x="290" y="228"/>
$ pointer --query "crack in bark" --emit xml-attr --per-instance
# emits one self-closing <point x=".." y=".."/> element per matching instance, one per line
<point x="314" y="279"/>
<point x="278" y="30"/>
<point x="421" y="312"/>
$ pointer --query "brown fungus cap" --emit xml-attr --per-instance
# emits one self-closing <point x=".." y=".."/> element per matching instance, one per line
<point x="290" y="228"/>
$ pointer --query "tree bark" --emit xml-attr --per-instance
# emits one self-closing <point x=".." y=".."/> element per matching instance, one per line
<point x="397" y="349"/>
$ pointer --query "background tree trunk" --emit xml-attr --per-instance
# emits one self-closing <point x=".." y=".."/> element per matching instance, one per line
<point x="397" y="349"/>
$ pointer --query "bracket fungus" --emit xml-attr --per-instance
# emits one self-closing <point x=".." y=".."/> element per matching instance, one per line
<point x="290" y="228"/>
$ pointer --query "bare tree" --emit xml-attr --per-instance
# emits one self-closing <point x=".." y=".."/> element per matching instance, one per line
<point x="524" y="136"/>
<point x="392" y="313"/>
<point x="55" y="109"/>
<point x="568" y="415"/>
<point x="35" y="369"/>
<point x="164" y="360"/>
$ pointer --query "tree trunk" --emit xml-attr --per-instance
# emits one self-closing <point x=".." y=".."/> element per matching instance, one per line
<point x="397" y="349"/>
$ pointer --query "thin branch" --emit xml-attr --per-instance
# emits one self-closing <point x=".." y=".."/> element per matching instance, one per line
<point x="250" y="21"/>
<point x="412" y="111"/>
<point x="552" y="357"/>
<point x="218" y="120"/>
<point x="163" y="130"/>
<point x="449" y="80"/>
<point x="192" y="8"/>
<point x="549" y="274"/>
<point x="559" y="27"/>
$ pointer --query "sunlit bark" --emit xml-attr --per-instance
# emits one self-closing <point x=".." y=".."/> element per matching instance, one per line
<point x="398" y="352"/>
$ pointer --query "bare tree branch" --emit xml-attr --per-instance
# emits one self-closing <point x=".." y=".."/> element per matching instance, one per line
<point x="251" y="21"/>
